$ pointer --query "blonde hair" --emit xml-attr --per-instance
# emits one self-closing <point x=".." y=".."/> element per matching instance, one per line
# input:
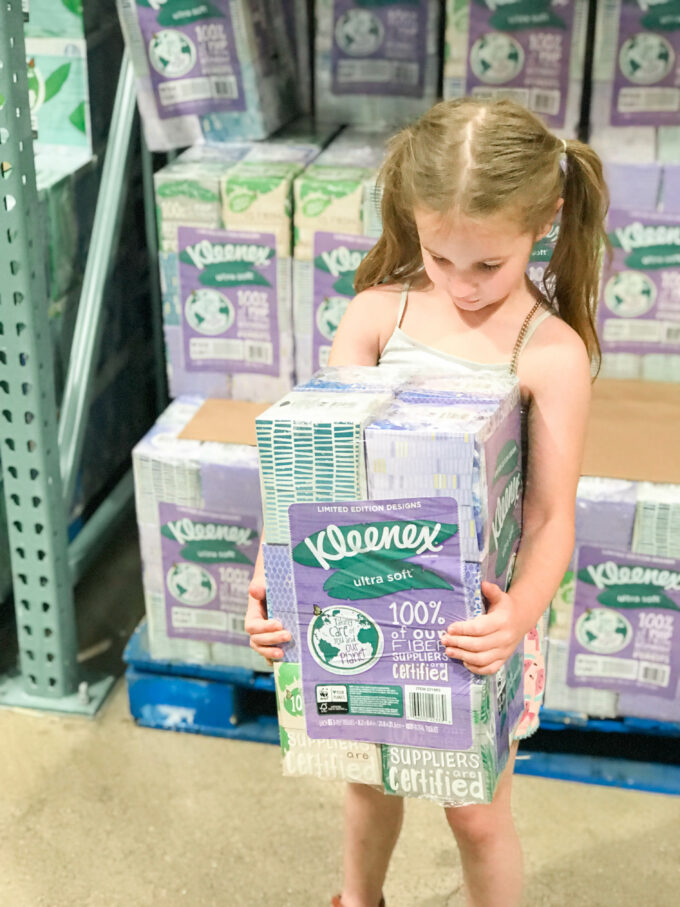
<point x="478" y="158"/>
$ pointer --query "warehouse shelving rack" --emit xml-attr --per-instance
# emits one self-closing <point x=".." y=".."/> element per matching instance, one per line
<point x="41" y="454"/>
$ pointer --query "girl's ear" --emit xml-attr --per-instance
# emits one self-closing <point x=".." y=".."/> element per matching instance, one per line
<point x="546" y="228"/>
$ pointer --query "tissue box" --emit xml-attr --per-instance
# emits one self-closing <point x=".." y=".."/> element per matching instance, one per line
<point x="216" y="71"/>
<point x="366" y="581"/>
<point x="58" y="92"/>
<point x="533" y="54"/>
<point x="337" y="220"/>
<point x="199" y="516"/>
<point x="376" y="63"/>
<point x="224" y="221"/>
<point x="638" y="317"/>
<point x="636" y="80"/>
<point x="330" y="760"/>
<point x="625" y="633"/>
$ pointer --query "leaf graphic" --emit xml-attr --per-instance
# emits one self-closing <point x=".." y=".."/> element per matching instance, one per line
<point x="183" y="12"/>
<point x="630" y="596"/>
<point x="241" y="201"/>
<point x="55" y="80"/>
<point x="76" y="6"/>
<point x="345" y="285"/>
<point x="77" y="117"/>
<point x="232" y="274"/>
<point x="373" y="576"/>
<point x="187" y="189"/>
<point x="313" y="207"/>
<point x="507" y="460"/>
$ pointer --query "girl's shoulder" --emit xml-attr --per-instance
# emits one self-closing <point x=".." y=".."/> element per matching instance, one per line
<point x="366" y="326"/>
<point x="556" y="355"/>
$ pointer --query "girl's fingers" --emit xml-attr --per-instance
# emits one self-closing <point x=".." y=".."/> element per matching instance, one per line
<point x="493" y="668"/>
<point x="269" y="653"/>
<point x="471" y="643"/>
<point x="270" y="639"/>
<point x="474" y="659"/>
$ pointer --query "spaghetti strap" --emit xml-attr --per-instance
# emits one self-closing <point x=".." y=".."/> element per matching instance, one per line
<point x="402" y="304"/>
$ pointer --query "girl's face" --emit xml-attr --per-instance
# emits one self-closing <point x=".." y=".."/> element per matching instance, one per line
<point x="477" y="263"/>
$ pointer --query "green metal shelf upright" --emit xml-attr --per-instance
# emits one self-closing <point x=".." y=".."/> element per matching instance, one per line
<point x="40" y="458"/>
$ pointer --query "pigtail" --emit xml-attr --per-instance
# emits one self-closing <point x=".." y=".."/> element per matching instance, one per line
<point x="573" y="275"/>
<point x="396" y="256"/>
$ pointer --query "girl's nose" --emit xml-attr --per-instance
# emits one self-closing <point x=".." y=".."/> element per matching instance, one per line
<point x="461" y="288"/>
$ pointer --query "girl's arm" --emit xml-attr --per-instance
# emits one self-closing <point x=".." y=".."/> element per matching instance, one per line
<point x="558" y="376"/>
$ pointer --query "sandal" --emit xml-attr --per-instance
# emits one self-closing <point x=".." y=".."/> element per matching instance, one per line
<point x="337" y="902"/>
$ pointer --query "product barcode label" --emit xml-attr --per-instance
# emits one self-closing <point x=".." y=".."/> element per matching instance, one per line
<point x="657" y="675"/>
<point x="224" y="87"/>
<point x="236" y="623"/>
<point x="198" y="89"/>
<point x="597" y="666"/>
<point x="673" y="333"/>
<point x="520" y="95"/>
<point x="428" y="704"/>
<point x="379" y="71"/>
<point x="648" y="100"/>
<point x="215" y="349"/>
<point x="639" y="330"/>
<point x="545" y="101"/>
<point x="189" y="618"/>
<point x="262" y="353"/>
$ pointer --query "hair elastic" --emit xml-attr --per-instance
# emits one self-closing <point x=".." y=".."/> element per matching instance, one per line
<point x="563" y="156"/>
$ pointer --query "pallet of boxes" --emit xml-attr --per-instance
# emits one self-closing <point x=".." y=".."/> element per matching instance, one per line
<point x="388" y="499"/>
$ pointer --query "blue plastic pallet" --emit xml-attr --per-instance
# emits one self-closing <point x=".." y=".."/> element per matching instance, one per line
<point x="200" y="699"/>
<point x="554" y="720"/>
<point x="626" y="773"/>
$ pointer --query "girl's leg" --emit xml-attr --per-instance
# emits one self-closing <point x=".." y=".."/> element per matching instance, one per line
<point x="489" y="847"/>
<point x="372" y="825"/>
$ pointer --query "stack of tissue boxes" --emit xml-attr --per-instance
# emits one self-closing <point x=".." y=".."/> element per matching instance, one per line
<point x="635" y="105"/>
<point x="200" y="519"/>
<point x="638" y="317"/>
<point x="337" y="221"/>
<point x="224" y="222"/>
<point x="218" y="71"/>
<point x="614" y="632"/>
<point x="371" y="496"/>
<point x="532" y="53"/>
<point x="376" y="62"/>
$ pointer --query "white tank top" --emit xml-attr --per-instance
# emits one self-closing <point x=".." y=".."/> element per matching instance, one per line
<point x="401" y="349"/>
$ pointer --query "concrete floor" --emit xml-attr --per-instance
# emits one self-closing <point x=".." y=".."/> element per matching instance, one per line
<point x="101" y="813"/>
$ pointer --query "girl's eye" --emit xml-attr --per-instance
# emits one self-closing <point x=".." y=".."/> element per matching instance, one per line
<point x="485" y="267"/>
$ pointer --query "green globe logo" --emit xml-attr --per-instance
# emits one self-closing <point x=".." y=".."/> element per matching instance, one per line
<point x="344" y="640"/>
<point x="359" y="33"/>
<point x="209" y="312"/>
<point x="603" y="631"/>
<point x="328" y="315"/>
<point x="496" y="58"/>
<point x="191" y="584"/>
<point x="646" y="58"/>
<point x="171" y="53"/>
<point x="629" y="294"/>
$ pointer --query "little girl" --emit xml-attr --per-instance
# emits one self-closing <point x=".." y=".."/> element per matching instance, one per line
<point x="467" y="192"/>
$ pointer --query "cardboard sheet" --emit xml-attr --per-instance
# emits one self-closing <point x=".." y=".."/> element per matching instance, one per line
<point x="634" y="431"/>
<point x="224" y="421"/>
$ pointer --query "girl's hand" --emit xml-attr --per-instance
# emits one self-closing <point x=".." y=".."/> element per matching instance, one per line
<point x="265" y="635"/>
<point x="486" y="642"/>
